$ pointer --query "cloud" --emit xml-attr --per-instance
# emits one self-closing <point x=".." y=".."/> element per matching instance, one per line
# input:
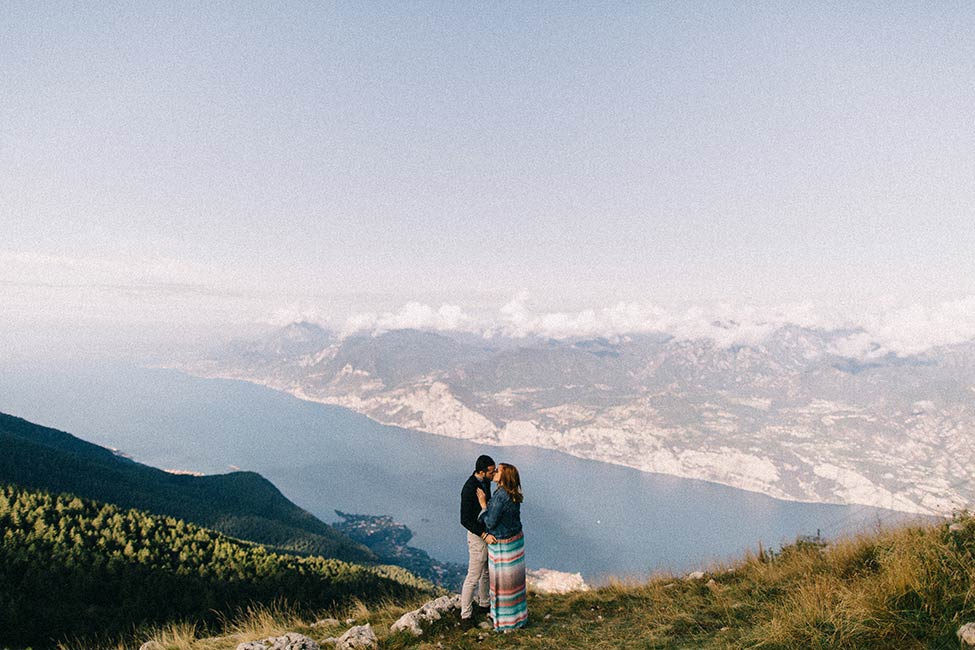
<point x="140" y="288"/>
<point x="413" y="315"/>
<point x="517" y="319"/>
<point x="915" y="328"/>
<point x="905" y="330"/>
<point x="723" y="323"/>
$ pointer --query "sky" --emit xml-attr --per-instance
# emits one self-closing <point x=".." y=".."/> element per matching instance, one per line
<point x="177" y="172"/>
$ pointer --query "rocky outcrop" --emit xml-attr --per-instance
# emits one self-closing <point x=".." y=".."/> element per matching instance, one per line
<point x="357" y="638"/>
<point x="548" y="581"/>
<point x="289" y="641"/>
<point x="966" y="635"/>
<point x="434" y="610"/>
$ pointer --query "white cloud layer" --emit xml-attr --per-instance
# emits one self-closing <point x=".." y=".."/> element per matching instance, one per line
<point x="133" y="289"/>
<point x="915" y="328"/>
<point x="413" y="315"/>
<point x="904" y="330"/>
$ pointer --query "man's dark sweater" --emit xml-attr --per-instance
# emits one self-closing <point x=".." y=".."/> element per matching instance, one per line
<point x="470" y="507"/>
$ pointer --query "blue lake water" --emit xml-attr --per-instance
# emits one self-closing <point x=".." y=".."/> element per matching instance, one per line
<point x="599" y="519"/>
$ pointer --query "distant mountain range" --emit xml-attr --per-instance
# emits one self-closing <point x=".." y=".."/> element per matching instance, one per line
<point x="792" y="416"/>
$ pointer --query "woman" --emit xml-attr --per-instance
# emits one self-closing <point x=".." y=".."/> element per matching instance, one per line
<point x="506" y="549"/>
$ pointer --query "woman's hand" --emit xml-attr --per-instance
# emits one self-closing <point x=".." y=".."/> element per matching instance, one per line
<point x="482" y="498"/>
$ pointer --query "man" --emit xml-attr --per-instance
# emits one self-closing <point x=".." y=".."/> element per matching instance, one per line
<point x="477" y="540"/>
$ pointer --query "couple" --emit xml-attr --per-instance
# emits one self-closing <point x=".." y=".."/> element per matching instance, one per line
<point x="495" y="545"/>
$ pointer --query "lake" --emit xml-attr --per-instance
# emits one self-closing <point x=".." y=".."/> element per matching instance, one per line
<point x="598" y="519"/>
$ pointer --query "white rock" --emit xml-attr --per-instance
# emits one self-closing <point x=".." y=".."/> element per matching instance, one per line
<point x="151" y="645"/>
<point x="966" y="634"/>
<point x="956" y="527"/>
<point x="410" y="622"/>
<point x="326" y="622"/>
<point x="431" y="611"/>
<point x="547" y="581"/>
<point x="290" y="641"/>
<point x="360" y="636"/>
<point x="695" y="575"/>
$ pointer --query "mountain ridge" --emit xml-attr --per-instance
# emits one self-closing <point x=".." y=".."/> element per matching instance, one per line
<point x="792" y="416"/>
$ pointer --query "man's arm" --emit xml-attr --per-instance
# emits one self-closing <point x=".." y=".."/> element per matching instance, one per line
<point x="469" y="510"/>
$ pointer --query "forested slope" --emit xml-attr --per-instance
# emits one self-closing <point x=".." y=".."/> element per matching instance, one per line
<point x="75" y="567"/>
<point x="241" y="504"/>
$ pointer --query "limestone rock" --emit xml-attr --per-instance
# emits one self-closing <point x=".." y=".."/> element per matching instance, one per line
<point x="326" y="622"/>
<point x="360" y="636"/>
<point x="547" y="581"/>
<point x="431" y="611"/>
<point x="956" y="527"/>
<point x="290" y="641"/>
<point x="695" y="575"/>
<point x="151" y="645"/>
<point x="966" y="634"/>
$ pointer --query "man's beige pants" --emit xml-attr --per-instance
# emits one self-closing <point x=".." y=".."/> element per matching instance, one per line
<point x="477" y="576"/>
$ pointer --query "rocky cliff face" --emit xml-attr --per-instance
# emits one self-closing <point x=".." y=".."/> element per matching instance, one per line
<point x="791" y="416"/>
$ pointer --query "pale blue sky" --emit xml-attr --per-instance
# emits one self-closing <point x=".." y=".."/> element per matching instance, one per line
<point x="222" y="162"/>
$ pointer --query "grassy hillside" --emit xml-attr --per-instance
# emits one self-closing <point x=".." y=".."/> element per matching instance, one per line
<point x="903" y="589"/>
<point x="72" y="567"/>
<point x="241" y="504"/>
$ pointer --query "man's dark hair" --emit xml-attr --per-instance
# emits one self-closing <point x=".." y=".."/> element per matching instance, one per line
<point x="483" y="462"/>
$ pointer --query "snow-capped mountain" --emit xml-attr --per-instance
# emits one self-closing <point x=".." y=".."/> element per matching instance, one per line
<point x="790" y="417"/>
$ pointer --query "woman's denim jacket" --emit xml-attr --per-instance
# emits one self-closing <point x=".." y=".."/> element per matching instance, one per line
<point x="502" y="516"/>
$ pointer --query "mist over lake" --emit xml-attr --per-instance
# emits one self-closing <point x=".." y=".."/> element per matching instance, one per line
<point x="599" y="519"/>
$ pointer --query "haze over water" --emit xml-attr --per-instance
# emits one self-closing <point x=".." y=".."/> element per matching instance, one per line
<point x="598" y="519"/>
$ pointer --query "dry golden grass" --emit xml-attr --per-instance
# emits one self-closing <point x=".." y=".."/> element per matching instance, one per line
<point x="176" y="636"/>
<point x="902" y="589"/>
<point x="259" y="621"/>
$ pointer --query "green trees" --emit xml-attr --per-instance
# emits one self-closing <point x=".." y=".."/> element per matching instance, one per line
<point x="71" y="566"/>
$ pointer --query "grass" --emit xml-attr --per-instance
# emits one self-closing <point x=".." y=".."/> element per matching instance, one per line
<point x="900" y="589"/>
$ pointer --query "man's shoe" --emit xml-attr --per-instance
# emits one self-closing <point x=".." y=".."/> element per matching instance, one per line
<point x="484" y="610"/>
<point x="467" y="623"/>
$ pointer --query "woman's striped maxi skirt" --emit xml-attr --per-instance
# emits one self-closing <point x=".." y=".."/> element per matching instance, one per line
<point x="509" y="598"/>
